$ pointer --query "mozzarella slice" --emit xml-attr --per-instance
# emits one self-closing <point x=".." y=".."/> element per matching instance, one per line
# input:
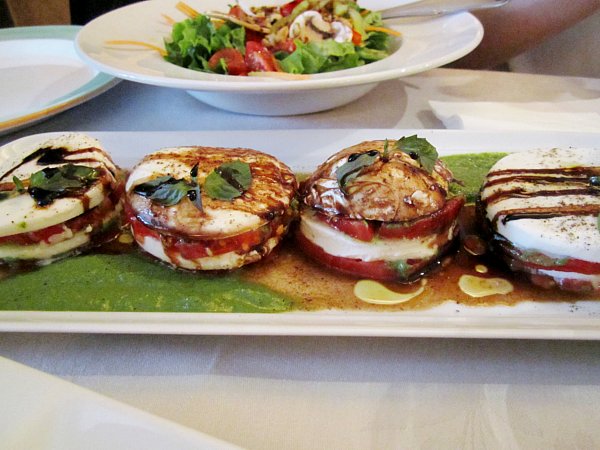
<point x="273" y="186"/>
<point x="339" y="244"/>
<point x="527" y="181"/>
<point x="20" y="213"/>
<point x="42" y="250"/>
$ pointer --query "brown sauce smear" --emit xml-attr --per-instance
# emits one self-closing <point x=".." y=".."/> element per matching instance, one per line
<point x="290" y="272"/>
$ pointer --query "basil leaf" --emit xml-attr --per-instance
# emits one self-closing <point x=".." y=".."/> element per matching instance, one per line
<point x="351" y="169"/>
<point x="166" y="191"/>
<point x="170" y="194"/>
<point x="51" y="183"/>
<point x="228" y="181"/>
<point x="146" y="189"/>
<point x="419" y="149"/>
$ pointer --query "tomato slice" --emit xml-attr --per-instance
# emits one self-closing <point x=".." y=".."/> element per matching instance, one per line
<point x="33" y="237"/>
<point x="425" y="226"/>
<point x="367" y="230"/>
<point x="258" y="58"/>
<point x="359" y="229"/>
<point x="200" y="248"/>
<point x="533" y="261"/>
<point x="356" y="37"/>
<point x="234" y="61"/>
<point x="570" y="265"/>
<point x="376" y="270"/>
<point x="191" y="249"/>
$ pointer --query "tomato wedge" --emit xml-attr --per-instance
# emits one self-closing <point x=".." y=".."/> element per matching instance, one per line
<point x="237" y="11"/>
<point x="288" y="8"/>
<point x="287" y="46"/>
<point x="258" y="58"/>
<point x="234" y="61"/>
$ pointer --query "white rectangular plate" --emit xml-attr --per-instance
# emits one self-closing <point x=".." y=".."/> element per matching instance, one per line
<point x="31" y="399"/>
<point x="303" y="150"/>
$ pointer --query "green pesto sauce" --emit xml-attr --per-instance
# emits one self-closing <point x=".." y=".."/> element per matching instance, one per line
<point x="470" y="169"/>
<point x="130" y="282"/>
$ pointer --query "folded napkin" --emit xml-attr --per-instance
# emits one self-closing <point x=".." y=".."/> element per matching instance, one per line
<point x="577" y="115"/>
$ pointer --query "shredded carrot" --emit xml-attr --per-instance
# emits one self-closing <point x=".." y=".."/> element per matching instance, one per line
<point x="162" y="51"/>
<point x="187" y="9"/>
<point x="384" y="30"/>
<point x="169" y="19"/>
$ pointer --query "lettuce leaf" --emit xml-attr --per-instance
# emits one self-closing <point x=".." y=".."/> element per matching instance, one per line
<point x="323" y="56"/>
<point x="193" y="41"/>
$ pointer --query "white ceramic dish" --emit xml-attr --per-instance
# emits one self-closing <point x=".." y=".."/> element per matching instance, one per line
<point x="303" y="150"/>
<point x="44" y="412"/>
<point x="425" y="44"/>
<point x="41" y="75"/>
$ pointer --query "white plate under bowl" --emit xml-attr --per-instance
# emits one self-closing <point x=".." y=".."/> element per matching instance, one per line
<point x="41" y="75"/>
<point x="425" y="44"/>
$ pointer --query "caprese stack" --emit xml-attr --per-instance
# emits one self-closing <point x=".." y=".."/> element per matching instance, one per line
<point x="206" y="208"/>
<point x="542" y="211"/>
<point x="379" y="210"/>
<point x="57" y="198"/>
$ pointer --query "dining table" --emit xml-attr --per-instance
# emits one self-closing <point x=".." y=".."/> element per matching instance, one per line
<point x="333" y="390"/>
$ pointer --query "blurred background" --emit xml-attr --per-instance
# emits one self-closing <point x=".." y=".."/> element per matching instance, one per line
<point x="54" y="12"/>
<point x="554" y="37"/>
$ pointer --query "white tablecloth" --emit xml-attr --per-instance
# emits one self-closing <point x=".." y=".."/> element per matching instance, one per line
<point x="334" y="392"/>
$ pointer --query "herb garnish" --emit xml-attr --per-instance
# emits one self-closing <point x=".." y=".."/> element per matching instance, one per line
<point x="51" y="183"/>
<point x="352" y="168"/>
<point x="166" y="190"/>
<point x="420" y="150"/>
<point x="228" y="181"/>
<point x="18" y="185"/>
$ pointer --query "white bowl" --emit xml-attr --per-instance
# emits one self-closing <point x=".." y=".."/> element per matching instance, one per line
<point x="425" y="44"/>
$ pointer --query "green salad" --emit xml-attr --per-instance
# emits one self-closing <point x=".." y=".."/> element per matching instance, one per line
<point x="299" y="37"/>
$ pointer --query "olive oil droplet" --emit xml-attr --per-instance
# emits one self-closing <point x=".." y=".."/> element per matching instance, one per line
<point x="370" y="291"/>
<point x="482" y="287"/>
